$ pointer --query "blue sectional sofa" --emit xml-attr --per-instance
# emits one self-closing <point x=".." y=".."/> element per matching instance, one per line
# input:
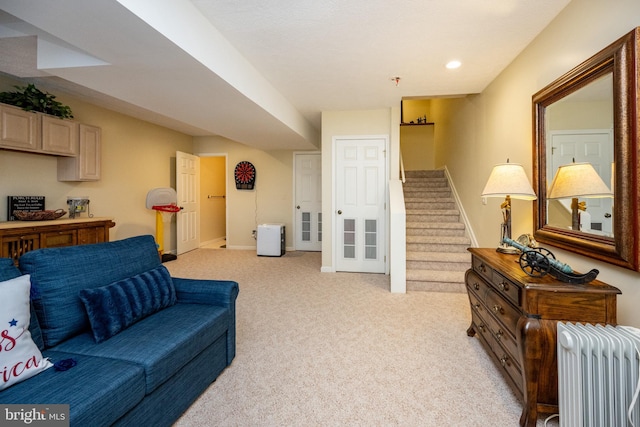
<point x="145" y="345"/>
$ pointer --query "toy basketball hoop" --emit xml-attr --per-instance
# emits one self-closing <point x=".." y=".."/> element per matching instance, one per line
<point x="166" y="211"/>
<point x="163" y="201"/>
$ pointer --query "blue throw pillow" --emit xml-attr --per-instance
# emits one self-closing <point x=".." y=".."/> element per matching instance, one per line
<point x="117" y="306"/>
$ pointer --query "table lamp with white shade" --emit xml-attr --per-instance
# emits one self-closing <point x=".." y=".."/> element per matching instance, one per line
<point x="577" y="180"/>
<point x="510" y="181"/>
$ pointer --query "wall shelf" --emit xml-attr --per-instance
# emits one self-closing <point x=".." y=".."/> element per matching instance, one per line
<point x="417" y="124"/>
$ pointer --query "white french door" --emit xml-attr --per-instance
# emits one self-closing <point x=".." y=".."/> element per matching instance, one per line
<point x="360" y="204"/>
<point x="187" y="189"/>
<point x="308" y="202"/>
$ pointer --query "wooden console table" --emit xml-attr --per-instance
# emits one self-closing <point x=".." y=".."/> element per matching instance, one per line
<point x="515" y="317"/>
<point x="19" y="237"/>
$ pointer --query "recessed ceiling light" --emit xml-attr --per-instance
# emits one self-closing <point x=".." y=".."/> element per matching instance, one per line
<point x="453" y="64"/>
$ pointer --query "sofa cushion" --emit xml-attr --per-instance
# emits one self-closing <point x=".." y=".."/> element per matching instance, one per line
<point x="191" y="380"/>
<point x="97" y="390"/>
<point x="8" y="270"/>
<point x="117" y="306"/>
<point x="162" y="343"/>
<point x="58" y="275"/>
<point x="20" y="358"/>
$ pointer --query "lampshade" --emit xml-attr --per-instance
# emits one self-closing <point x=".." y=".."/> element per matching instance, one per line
<point x="578" y="180"/>
<point x="509" y="179"/>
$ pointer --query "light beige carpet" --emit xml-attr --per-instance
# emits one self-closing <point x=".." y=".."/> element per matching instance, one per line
<point x="338" y="349"/>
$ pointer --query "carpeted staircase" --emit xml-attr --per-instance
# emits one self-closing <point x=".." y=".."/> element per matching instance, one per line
<point x="437" y="255"/>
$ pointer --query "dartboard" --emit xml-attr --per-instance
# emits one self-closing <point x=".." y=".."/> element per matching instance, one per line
<point x="245" y="176"/>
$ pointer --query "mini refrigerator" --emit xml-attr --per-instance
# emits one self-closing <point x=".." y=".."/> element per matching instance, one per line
<point x="270" y="240"/>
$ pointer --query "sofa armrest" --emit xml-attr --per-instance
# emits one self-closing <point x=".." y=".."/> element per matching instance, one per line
<point x="213" y="292"/>
<point x="202" y="291"/>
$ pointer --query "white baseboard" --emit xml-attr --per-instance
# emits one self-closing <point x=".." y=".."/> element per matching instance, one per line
<point x="213" y="241"/>
<point x="463" y="215"/>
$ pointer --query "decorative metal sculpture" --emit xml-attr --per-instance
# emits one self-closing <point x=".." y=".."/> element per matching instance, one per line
<point x="537" y="262"/>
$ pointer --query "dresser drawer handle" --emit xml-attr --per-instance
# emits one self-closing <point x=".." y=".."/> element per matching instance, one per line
<point x="504" y="361"/>
<point x="477" y="306"/>
<point x="482" y="268"/>
<point x="504" y="286"/>
<point x="499" y="334"/>
<point x="497" y="309"/>
<point x="476" y="286"/>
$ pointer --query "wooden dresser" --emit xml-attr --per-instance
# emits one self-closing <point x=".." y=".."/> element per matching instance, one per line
<point x="515" y="317"/>
<point x="19" y="237"/>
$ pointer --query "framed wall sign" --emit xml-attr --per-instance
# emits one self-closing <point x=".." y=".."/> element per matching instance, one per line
<point x="23" y="203"/>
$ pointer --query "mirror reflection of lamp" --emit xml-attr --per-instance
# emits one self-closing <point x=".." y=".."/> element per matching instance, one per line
<point x="577" y="180"/>
<point x="510" y="181"/>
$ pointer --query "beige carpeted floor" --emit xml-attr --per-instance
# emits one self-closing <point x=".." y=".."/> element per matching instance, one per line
<point x="338" y="349"/>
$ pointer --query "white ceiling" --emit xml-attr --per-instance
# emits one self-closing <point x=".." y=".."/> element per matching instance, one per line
<point x="262" y="72"/>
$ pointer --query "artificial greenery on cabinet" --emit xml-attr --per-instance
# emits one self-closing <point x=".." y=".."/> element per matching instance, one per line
<point x="30" y="98"/>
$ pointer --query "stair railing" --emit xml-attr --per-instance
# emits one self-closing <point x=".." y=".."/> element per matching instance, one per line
<point x="403" y="177"/>
<point x="398" y="238"/>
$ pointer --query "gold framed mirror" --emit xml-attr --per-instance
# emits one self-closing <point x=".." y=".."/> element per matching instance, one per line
<point x="590" y="116"/>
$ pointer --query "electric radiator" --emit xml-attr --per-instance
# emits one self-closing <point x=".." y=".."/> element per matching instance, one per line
<point x="598" y="375"/>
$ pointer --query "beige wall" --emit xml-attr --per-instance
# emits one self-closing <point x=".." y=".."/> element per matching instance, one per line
<point x="270" y="202"/>
<point x="476" y="132"/>
<point x="417" y="143"/>
<point x="350" y="123"/>
<point x="213" y="201"/>
<point x="418" y="147"/>
<point x="136" y="157"/>
<point x="412" y="109"/>
<point x="580" y="115"/>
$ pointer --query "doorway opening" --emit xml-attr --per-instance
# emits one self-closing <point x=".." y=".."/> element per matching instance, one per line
<point x="213" y="197"/>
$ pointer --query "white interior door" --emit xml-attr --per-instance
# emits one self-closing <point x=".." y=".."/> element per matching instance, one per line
<point x="308" y="203"/>
<point x="593" y="146"/>
<point x="360" y="204"/>
<point x="188" y="190"/>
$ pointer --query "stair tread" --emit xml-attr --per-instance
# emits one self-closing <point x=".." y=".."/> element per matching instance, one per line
<point x="426" y="201"/>
<point x="429" y="239"/>
<point x="427" y="194"/>
<point x="414" y="185"/>
<point x="460" y="240"/>
<point x="436" y="225"/>
<point x="426" y="189"/>
<point x="436" y="232"/>
<point x="430" y="204"/>
<point x="433" y="211"/>
<point x="436" y="276"/>
<point x="439" y="256"/>
<point x="424" y="172"/>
